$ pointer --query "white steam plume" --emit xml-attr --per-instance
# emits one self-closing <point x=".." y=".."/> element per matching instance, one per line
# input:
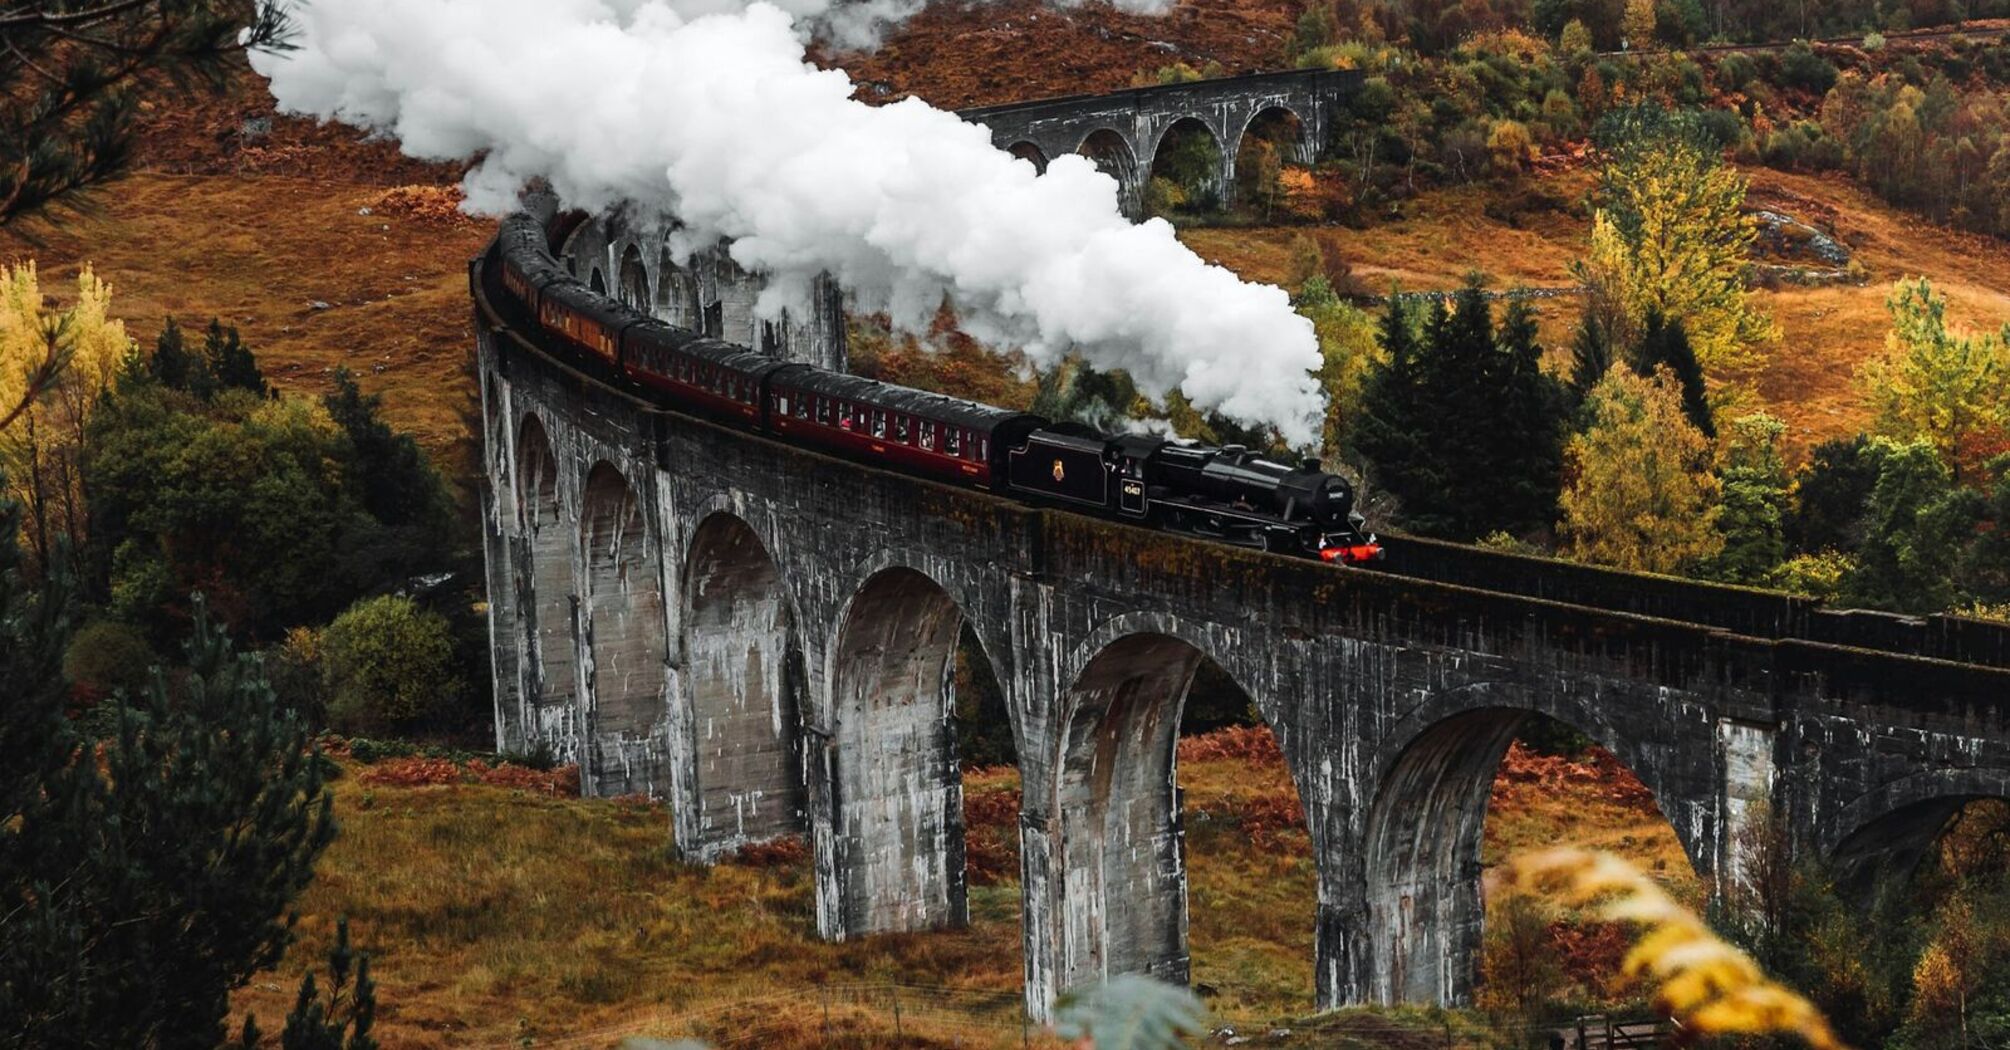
<point x="720" y="121"/>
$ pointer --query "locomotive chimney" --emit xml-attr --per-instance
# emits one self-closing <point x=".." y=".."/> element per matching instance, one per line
<point x="1311" y="463"/>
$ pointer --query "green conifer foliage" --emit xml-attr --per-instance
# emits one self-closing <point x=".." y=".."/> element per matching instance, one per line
<point x="1464" y="426"/>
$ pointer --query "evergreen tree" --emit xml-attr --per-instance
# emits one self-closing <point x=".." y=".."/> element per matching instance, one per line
<point x="1831" y="495"/>
<point x="1466" y="429"/>
<point x="144" y="883"/>
<point x="229" y="362"/>
<point x="73" y="74"/>
<point x="1918" y="522"/>
<point x="1533" y="409"/>
<point x="1590" y="357"/>
<point x="342" y="1020"/>
<point x="172" y="363"/>
<point x="1386" y="431"/>
<point x="1753" y="514"/>
<point x="1665" y="344"/>
<point x="1984" y="572"/>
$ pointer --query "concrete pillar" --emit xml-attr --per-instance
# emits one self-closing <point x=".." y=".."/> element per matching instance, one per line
<point x="625" y="642"/>
<point x="1748" y="805"/>
<point x="890" y="812"/>
<point x="1105" y="875"/>
<point x="1425" y="908"/>
<point x="738" y="694"/>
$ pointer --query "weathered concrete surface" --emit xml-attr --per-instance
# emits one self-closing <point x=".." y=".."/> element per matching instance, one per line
<point x="1391" y="696"/>
<point x="742" y="678"/>
<point x="1123" y="132"/>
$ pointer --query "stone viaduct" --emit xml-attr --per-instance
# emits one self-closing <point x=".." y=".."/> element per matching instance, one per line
<point x="765" y="636"/>
<point x="1124" y="132"/>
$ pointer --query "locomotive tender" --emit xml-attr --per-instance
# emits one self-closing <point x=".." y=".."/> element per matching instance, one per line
<point x="1228" y="494"/>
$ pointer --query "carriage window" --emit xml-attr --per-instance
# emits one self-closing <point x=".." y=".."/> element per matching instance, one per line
<point x="928" y="435"/>
<point x="984" y="448"/>
<point x="802" y="408"/>
<point x="844" y="415"/>
<point x="824" y="411"/>
<point x="952" y="441"/>
<point x="878" y="423"/>
<point x="901" y="431"/>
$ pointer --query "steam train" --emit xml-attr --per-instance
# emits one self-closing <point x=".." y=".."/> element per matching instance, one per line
<point x="1226" y="494"/>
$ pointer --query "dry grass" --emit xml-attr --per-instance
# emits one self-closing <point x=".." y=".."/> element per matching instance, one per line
<point x="260" y="253"/>
<point x="494" y="911"/>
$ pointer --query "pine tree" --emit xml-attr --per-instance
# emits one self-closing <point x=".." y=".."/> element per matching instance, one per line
<point x="72" y="76"/>
<point x="343" y="1019"/>
<point x="171" y="363"/>
<point x="1918" y="522"/>
<point x="1386" y="431"/>
<point x="144" y="884"/>
<point x="1533" y="409"/>
<point x="1832" y="493"/>
<point x="1466" y="429"/>
<point x="231" y="364"/>
<point x="1590" y="357"/>
<point x="1665" y="344"/>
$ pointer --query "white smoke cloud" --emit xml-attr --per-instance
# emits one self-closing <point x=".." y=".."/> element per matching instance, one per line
<point x="718" y="120"/>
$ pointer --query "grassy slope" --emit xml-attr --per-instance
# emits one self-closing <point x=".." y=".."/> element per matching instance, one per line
<point x="490" y="911"/>
<point x="259" y="252"/>
<point x="1825" y="332"/>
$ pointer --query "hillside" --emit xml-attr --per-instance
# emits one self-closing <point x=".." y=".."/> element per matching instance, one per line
<point x="1826" y="330"/>
<point x="496" y="912"/>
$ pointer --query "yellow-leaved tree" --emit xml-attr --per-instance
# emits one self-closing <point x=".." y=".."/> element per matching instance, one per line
<point x="53" y="365"/>
<point x="1668" y="238"/>
<point x="1638" y="24"/>
<point x="1950" y="388"/>
<point x="1641" y="494"/>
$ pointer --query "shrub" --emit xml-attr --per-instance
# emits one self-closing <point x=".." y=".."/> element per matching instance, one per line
<point x="1801" y="68"/>
<point x="106" y="656"/>
<point x="1735" y="71"/>
<point x="294" y="666"/>
<point x="1819" y="575"/>
<point x="387" y="664"/>
<point x="1873" y="41"/>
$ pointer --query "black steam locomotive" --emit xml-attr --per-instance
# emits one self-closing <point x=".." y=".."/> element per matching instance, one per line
<point x="1228" y="494"/>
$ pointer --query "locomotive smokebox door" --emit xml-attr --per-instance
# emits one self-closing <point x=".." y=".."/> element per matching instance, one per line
<point x="1062" y="466"/>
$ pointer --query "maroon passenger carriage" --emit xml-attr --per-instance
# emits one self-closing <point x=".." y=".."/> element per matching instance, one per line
<point x="911" y="430"/>
<point x="1227" y="494"/>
